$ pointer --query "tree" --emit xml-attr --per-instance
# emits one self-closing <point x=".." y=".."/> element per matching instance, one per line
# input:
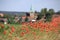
<point x="39" y="16"/>
<point x="49" y="14"/>
<point x="48" y="17"/>
<point x="51" y="11"/>
<point x="43" y="11"/>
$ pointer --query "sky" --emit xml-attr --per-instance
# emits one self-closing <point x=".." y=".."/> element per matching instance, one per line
<point x="25" y="5"/>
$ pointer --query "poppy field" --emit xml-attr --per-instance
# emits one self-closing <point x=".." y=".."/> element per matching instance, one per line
<point x="31" y="30"/>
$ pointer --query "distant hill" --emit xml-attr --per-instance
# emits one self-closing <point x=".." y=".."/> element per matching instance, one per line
<point x="13" y="13"/>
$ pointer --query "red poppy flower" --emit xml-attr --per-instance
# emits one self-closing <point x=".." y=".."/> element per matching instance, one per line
<point x="22" y="34"/>
<point x="12" y="29"/>
<point x="4" y="32"/>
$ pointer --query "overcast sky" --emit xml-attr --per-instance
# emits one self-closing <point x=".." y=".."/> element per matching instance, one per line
<point x="25" y="5"/>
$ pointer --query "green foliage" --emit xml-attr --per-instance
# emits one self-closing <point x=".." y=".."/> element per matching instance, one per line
<point x="26" y="19"/>
<point x="44" y="11"/>
<point x="51" y="11"/>
<point x="1" y="29"/>
<point x="48" y="17"/>
<point x="39" y="16"/>
<point x="10" y="20"/>
<point x="49" y="14"/>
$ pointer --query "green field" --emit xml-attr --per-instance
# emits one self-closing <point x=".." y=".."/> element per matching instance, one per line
<point x="33" y="34"/>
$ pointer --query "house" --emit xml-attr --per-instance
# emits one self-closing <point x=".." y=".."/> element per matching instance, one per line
<point x="23" y="18"/>
<point x="3" y="20"/>
<point x="1" y="14"/>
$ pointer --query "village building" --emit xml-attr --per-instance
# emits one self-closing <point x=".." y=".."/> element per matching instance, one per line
<point x="3" y="20"/>
<point x="1" y="14"/>
<point x="33" y="15"/>
<point x="16" y="18"/>
<point x="23" y="18"/>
